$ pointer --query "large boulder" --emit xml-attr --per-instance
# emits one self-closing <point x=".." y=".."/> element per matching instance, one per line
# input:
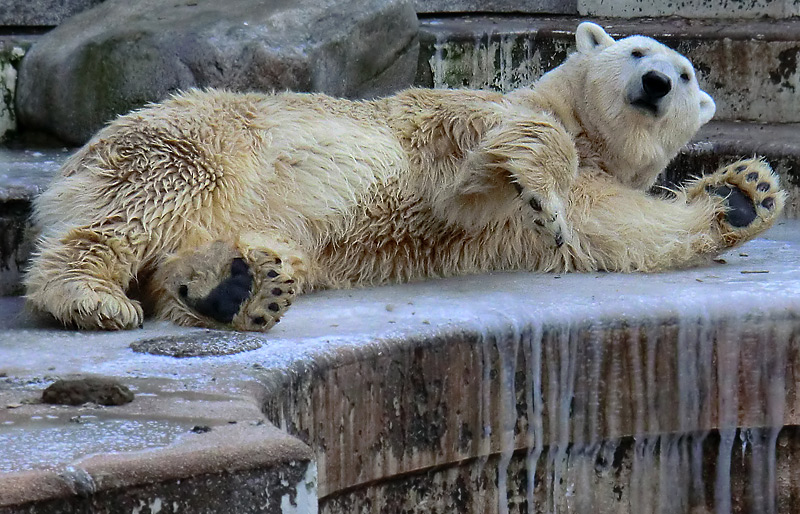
<point x="123" y="54"/>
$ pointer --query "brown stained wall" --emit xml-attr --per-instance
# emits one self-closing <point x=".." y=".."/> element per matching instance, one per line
<point x="411" y="408"/>
<point x="681" y="476"/>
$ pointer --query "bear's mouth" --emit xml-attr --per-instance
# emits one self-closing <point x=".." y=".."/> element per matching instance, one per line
<point x="646" y="105"/>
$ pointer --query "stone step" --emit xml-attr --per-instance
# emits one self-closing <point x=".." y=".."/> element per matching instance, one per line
<point x="619" y="8"/>
<point x="40" y="13"/>
<point x="460" y="388"/>
<point x="690" y="8"/>
<point x="25" y="172"/>
<point x="748" y="66"/>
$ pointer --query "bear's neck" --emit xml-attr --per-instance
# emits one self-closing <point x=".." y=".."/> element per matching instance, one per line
<point x="560" y="92"/>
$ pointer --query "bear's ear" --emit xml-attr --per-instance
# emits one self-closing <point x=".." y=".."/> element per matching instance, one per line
<point x="590" y="37"/>
<point x="707" y="107"/>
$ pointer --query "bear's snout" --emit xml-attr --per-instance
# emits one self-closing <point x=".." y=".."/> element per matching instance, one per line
<point x="649" y="91"/>
<point x="655" y="85"/>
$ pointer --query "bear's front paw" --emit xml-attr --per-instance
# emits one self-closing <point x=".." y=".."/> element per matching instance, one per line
<point x="547" y="212"/>
<point x="750" y="195"/>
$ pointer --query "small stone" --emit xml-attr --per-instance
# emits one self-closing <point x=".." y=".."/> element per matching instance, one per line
<point x="744" y="255"/>
<point x="13" y="405"/>
<point x="201" y="429"/>
<point x="99" y="390"/>
<point x="720" y="261"/>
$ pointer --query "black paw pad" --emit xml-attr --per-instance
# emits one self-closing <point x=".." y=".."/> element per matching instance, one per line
<point x="223" y="302"/>
<point x="741" y="211"/>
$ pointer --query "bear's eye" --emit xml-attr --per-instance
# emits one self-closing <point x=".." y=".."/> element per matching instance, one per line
<point x="685" y="77"/>
<point x="637" y="54"/>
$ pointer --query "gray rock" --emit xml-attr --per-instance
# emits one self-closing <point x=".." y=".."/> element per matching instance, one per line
<point x="41" y="13"/>
<point x="123" y="54"/>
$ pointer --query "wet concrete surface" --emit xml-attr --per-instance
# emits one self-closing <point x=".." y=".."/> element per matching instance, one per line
<point x="24" y="173"/>
<point x="227" y="391"/>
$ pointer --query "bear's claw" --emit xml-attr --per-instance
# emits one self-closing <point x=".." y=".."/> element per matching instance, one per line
<point x="547" y="215"/>
<point x="273" y="293"/>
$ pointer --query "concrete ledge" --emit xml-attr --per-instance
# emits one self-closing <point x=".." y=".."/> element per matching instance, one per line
<point x="497" y="373"/>
<point x="720" y="143"/>
<point x="205" y="449"/>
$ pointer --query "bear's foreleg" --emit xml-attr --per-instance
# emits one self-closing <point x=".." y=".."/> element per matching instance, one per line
<point x="81" y="278"/>
<point x="537" y="157"/>
<point x="245" y="285"/>
<point x="622" y="229"/>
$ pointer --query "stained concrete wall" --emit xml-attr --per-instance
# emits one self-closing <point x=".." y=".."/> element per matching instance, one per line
<point x="730" y="9"/>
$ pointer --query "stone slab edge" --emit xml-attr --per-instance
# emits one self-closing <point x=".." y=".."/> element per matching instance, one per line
<point x="238" y="442"/>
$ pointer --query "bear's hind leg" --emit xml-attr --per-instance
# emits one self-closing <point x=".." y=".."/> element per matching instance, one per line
<point x="247" y="285"/>
<point x="81" y="278"/>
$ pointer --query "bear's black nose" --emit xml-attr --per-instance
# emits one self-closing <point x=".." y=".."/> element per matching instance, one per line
<point x="656" y="85"/>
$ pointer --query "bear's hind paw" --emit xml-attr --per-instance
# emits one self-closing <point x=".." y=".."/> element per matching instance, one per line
<point x="273" y="293"/>
<point x="216" y="285"/>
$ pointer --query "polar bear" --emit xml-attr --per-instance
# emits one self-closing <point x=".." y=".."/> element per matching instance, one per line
<point x="216" y="209"/>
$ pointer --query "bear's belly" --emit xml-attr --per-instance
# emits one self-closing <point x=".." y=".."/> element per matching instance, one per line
<point x="397" y="238"/>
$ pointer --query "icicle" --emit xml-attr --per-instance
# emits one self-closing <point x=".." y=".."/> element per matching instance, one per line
<point x="507" y="352"/>
<point x="533" y="399"/>
<point x="438" y="62"/>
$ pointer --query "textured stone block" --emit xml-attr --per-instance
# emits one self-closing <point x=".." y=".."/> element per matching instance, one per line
<point x="121" y="55"/>
<point x="41" y="13"/>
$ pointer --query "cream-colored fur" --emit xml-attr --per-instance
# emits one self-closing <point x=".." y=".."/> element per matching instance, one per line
<point x="305" y="191"/>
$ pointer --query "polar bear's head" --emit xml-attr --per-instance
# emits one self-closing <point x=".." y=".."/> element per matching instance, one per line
<point x="639" y="96"/>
